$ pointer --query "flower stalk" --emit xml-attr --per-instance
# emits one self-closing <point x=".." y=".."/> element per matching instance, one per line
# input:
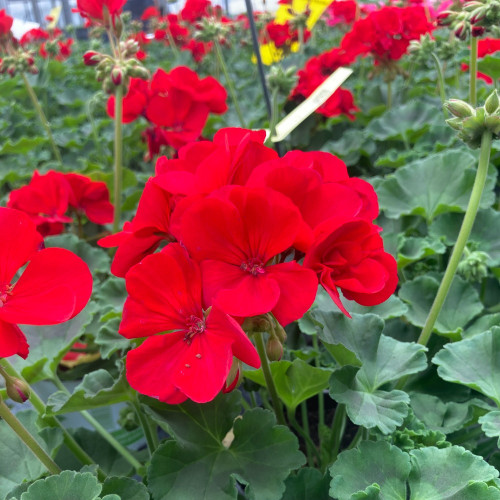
<point x="42" y="118"/>
<point x="229" y="82"/>
<point x="463" y="236"/>
<point x="118" y="150"/>
<point x="268" y="376"/>
<point x="473" y="72"/>
<point x="440" y="75"/>
<point x="12" y="421"/>
<point x="148" y="428"/>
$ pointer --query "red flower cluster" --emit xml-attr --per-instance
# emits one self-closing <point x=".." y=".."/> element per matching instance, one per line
<point x="283" y="35"/>
<point x="176" y="103"/>
<point x="53" y="288"/>
<point x="245" y="219"/>
<point x="49" y="197"/>
<point x="97" y="11"/>
<point x="5" y="23"/>
<point x="315" y="72"/>
<point x="386" y="33"/>
<point x="51" y="44"/>
<point x="342" y="12"/>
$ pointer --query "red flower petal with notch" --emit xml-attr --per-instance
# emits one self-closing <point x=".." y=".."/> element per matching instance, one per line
<point x="94" y="9"/>
<point x="193" y="360"/>
<point x="55" y="286"/>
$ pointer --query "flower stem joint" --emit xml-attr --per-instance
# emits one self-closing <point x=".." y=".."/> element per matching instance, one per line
<point x="471" y="123"/>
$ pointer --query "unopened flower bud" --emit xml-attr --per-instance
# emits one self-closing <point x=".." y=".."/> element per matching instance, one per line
<point x="492" y="103"/>
<point x="117" y="75"/>
<point x="17" y="390"/>
<point x="473" y="266"/>
<point x="459" y="108"/>
<point x="461" y="30"/>
<point x="274" y="349"/>
<point x="455" y="123"/>
<point x="444" y="18"/>
<point x="477" y="31"/>
<point x="92" y="58"/>
<point x="138" y="71"/>
<point x="233" y="377"/>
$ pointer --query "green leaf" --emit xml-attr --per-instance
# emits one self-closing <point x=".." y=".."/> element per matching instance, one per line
<point x="490" y="423"/>
<point x="201" y="464"/>
<point x="295" y="381"/>
<point x="432" y="186"/>
<point x="440" y="474"/>
<point x="474" y="362"/>
<point x="307" y="484"/>
<point x="65" y="486"/>
<point x="126" y="488"/>
<point x="406" y="122"/>
<point x="482" y="324"/>
<point x="96" y="258"/>
<point x="490" y="65"/>
<point x="372" y="464"/>
<point x="461" y="305"/>
<point x="17" y="462"/>
<point x="439" y="416"/>
<point x="21" y="146"/>
<point x="413" y="249"/>
<point x="48" y="345"/>
<point x="97" y="389"/>
<point x="369" y="408"/>
<point x="483" y="236"/>
<point x="109" y="340"/>
<point x="111" y="295"/>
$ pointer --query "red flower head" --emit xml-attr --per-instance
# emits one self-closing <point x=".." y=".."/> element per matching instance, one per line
<point x="45" y="200"/>
<point x="194" y="360"/>
<point x="55" y="286"/>
<point x="95" y="10"/>
<point x="342" y="12"/>
<point x="241" y="236"/>
<point x="5" y="23"/>
<point x="349" y="254"/>
<point x="194" y="10"/>
<point x="150" y="12"/>
<point x="90" y="198"/>
<point x="34" y="35"/>
<point x="283" y="34"/>
<point x="198" y="49"/>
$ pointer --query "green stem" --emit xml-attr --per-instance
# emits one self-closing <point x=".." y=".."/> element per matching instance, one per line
<point x="463" y="236"/>
<point x="321" y="396"/>
<point x="268" y="376"/>
<point x="305" y="427"/>
<point x="441" y="85"/>
<point x="275" y="112"/>
<point x="389" y="94"/>
<point x="118" y="174"/>
<point x="39" y="406"/>
<point x="310" y="446"/>
<point x="150" y="431"/>
<point x="301" y="39"/>
<point x="124" y="452"/>
<point x="338" y="428"/>
<point x="473" y="72"/>
<point x="43" y="118"/>
<point x="25" y="436"/>
<point x="229" y="82"/>
<point x="356" y="439"/>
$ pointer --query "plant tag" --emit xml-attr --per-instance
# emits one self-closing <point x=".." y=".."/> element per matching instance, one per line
<point x="311" y="104"/>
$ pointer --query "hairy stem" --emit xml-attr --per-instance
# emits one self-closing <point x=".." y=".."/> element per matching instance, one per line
<point x="473" y="72"/>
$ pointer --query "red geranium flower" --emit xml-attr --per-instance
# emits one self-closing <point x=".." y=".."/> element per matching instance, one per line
<point x="94" y="9"/>
<point x="55" y="286"/>
<point x="194" y="359"/>
<point x="45" y="200"/>
<point x="5" y="23"/>
<point x="150" y="12"/>
<point x="34" y="35"/>
<point x="90" y="198"/>
<point x="238" y="234"/>
<point x="134" y="102"/>
<point x="194" y="10"/>
<point x="349" y="254"/>
<point x="485" y="47"/>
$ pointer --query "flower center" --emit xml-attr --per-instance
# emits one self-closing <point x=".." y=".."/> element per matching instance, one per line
<point x="253" y="266"/>
<point x="194" y="325"/>
<point x="5" y="291"/>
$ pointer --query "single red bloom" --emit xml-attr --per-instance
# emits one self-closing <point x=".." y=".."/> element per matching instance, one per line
<point x="283" y="34"/>
<point x="5" y="23"/>
<point x="238" y="234"/>
<point x="34" y="35"/>
<point x="45" y="200"/>
<point x="194" y="10"/>
<point x="150" y="12"/>
<point x="193" y="360"/>
<point x="149" y="228"/>
<point x="342" y="11"/>
<point x="94" y="9"/>
<point x="90" y="198"/>
<point x="55" y="286"/>
<point x="349" y="254"/>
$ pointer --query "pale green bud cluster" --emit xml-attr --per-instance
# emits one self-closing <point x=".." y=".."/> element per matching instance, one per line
<point x="474" y="266"/>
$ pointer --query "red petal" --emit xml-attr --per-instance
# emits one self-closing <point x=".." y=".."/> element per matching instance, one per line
<point x="20" y="240"/>
<point x="55" y="286"/>
<point x="12" y="341"/>
<point x="298" y="287"/>
<point x="150" y="367"/>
